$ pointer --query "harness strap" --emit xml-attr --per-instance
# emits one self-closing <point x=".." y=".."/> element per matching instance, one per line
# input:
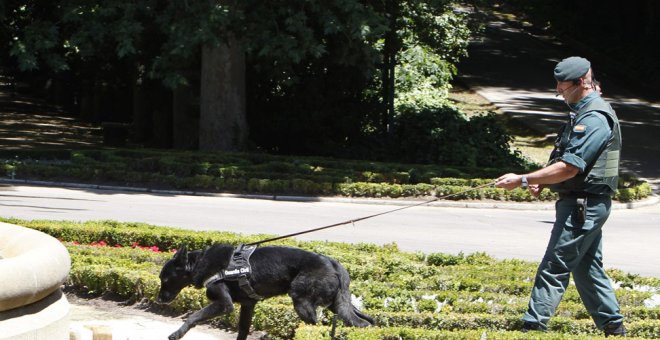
<point x="212" y="279"/>
<point x="244" y="283"/>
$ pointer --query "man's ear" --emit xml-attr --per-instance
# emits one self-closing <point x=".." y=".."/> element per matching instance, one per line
<point x="586" y="82"/>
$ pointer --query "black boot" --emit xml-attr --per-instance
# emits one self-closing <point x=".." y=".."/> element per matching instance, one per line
<point x="614" y="329"/>
<point x="531" y="326"/>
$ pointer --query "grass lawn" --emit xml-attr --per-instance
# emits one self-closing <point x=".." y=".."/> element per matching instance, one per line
<point x="530" y="143"/>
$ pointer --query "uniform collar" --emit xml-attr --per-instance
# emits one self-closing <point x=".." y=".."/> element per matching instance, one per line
<point x="584" y="101"/>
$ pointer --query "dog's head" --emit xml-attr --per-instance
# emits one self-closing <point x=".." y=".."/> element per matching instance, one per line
<point x="175" y="275"/>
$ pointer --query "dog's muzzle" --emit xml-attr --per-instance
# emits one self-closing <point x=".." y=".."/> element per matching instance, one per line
<point x="164" y="299"/>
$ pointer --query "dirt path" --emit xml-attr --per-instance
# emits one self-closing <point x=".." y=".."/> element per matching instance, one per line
<point x="26" y="123"/>
<point x="135" y="322"/>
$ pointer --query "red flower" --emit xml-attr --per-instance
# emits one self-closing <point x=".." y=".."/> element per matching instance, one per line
<point x="134" y="245"/>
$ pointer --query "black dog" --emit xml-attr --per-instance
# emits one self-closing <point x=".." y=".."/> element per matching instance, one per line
<point x="310" y="279"/>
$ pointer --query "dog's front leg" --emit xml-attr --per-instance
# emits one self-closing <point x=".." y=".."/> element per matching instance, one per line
<point x="214" y="309"/>
<point x="223" y="305"/>
<point x="245" y="319"/>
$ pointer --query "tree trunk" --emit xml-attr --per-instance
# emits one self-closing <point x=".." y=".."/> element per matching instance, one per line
<point x="222" y="123"/>
<point x="152" y="114"/>
<point x="185" y="132"/>
<point x="141" y="117"/>
<point x="161" y="116"/>
<point x="162" y="128"/>
<point x="390" y="49"/>
<point x="388" y="92"/>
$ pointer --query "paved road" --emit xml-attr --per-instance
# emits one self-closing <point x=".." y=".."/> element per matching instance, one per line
<point x="513" y="70"/>
<point x="631" y="235"/>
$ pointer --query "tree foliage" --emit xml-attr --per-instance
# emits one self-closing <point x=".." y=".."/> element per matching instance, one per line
<point x="316" y="70"/>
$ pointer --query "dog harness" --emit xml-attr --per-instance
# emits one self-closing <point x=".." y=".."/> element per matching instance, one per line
<point x="239" y="269"/>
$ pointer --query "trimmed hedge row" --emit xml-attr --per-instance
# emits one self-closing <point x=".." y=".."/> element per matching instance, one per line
<point x="118" y="268"/>
<point x="125" y="234"/>
<point x="278" y="318"/>
<point x="422" y="293"/>
<point x="268" y="174"/>
<point x="306" y="332"/>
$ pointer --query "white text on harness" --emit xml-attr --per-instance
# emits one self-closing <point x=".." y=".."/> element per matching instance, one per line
<point x="237" y="271"/>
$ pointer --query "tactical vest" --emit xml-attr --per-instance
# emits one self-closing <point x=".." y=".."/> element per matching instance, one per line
<point x="602" y="176"/>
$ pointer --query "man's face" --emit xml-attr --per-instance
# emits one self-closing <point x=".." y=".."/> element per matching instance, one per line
<point x="569" y="90"/>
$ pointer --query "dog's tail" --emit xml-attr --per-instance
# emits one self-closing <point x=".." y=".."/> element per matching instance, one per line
<point x="343" y="306"/>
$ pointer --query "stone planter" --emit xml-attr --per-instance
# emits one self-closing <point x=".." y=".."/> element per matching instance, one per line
<point x="33" y="267"/>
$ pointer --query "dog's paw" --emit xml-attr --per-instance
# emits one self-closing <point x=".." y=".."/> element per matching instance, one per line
<point x="175" y="336"/>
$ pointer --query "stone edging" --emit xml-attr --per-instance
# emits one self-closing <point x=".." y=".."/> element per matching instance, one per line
<point x="399" y="202"/>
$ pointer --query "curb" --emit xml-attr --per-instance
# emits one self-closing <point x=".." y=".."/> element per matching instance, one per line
<point x="652" y="200"/>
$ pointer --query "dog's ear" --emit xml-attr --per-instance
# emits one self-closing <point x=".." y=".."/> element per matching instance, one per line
<point x="181" y="254"/>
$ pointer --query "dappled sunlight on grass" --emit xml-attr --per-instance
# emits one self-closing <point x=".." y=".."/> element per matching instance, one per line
<point x="532" y="144"/>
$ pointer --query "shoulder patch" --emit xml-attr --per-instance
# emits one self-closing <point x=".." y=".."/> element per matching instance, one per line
<point x="579" y="128"/>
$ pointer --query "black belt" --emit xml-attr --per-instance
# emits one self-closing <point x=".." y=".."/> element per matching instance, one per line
<point x="580" y="194"/>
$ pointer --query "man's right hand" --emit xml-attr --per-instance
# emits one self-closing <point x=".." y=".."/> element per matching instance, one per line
<point x="508" y="181"/>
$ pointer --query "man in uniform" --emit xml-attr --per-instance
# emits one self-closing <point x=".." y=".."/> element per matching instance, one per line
<point x="583" y="170"/>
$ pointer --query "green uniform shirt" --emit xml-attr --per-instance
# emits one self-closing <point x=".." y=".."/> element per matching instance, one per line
<point x="586" y="137"/>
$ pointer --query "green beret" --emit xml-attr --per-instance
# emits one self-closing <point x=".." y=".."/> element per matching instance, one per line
<point x="571" y="68"/>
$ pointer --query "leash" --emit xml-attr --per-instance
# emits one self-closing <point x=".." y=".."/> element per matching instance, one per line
<point x="370" y="216"/>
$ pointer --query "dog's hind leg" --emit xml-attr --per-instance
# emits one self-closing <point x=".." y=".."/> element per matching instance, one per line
<point x="305" y="309"/>
<point x="307" y="294"/>
<point x="342" y="305"/>
<point x="245" y="319"/>
<point x="361" y="315"/>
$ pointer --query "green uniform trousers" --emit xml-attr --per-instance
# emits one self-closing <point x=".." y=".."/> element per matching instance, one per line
<point x="575" y="247"/>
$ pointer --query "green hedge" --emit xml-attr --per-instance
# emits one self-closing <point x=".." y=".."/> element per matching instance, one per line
<point x="423" y="295"/>
<point x="125" y="234"/>
<point x="280" y="320"/>
<point x="276" y="175"/>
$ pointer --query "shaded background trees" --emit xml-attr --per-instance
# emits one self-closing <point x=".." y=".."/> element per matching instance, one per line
<point x="319" y="76"/>
<point x="349" y="78"/>
<point x="622" y="33"/>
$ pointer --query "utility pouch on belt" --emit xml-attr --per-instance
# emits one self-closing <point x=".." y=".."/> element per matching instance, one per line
<point x="581" y="210"/>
